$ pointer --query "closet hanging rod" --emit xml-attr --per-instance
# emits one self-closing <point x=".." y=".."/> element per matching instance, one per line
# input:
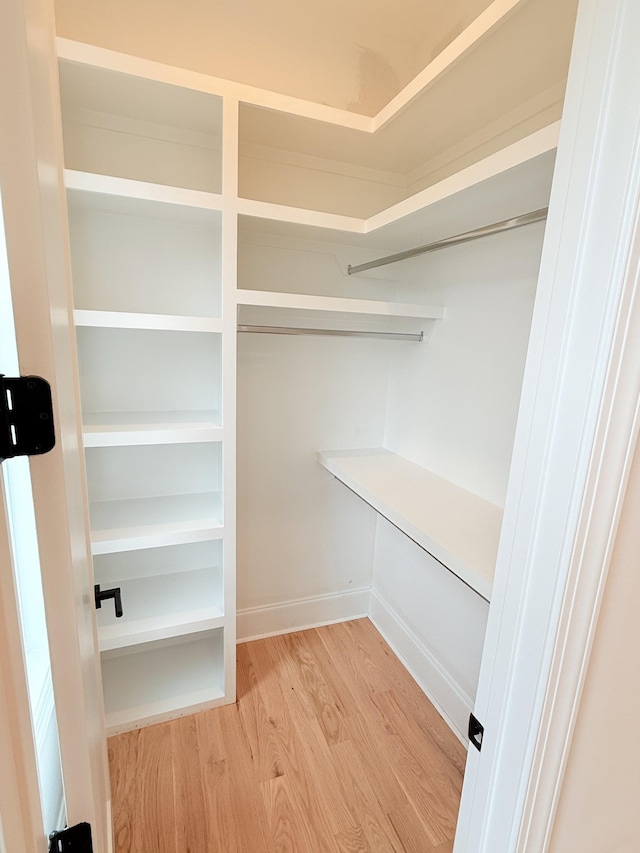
<point x="485" y="231"/>
<point x="418" y="337"/>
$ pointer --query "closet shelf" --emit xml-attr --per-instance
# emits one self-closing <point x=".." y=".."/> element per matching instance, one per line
<point x="267" y="308"/>
<point x="151" y="682"/>
<point x="113" y="429"/>
<point x="158" y="322"/>
<point x="299" y="216"/>
<point x="147" y="630"/>
<point x="134" y="523"/>
<point x="458" y="528"/>
<point x="181" y="603"/>
<point x="125" y="188"/>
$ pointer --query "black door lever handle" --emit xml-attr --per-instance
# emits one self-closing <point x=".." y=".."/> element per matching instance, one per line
<point x="104" y="594"/>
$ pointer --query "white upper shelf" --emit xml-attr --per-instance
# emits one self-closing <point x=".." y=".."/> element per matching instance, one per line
<point x="456" y="527"/>
<point x="515" y="180"/>
<point x="294" y="310"/>
<point x="158" y="322"/>
<point x="113" y="429"/>
<point x="132" y="524"/>
<point x="155" y="608"/>
<point x="131" y="190"/>
<point x="338" y="305"/>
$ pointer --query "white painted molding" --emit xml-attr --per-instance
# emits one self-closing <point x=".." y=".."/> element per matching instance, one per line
<point x="603" y="500"/>
<point x="578" y="420"/>
<point x="255" y="623"/>
<point x="612" y="456"/>
<point x="451" y="702"/>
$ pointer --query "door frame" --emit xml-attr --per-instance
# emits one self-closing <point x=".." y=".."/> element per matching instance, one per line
<point x="574" y="444"/>
<point x="35" y="218"/>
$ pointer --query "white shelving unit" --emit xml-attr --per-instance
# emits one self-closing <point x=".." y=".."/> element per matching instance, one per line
<point x="181" y="229"/>
<point x="144" y="179"/>
<point x="456" y="527"/>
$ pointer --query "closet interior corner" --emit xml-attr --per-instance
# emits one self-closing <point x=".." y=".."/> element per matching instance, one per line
<point x="368" y="418"/>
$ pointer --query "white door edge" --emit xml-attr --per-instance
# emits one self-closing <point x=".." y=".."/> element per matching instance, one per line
<point x="34" y="204"/>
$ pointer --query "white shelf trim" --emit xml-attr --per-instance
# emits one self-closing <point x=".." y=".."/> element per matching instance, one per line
<point x="338" y="305"/>
<point x="159" y="322"/>
<point x="148" y="630"/>
<point x="159" y="523"/>
<point x="458" y="528"/>
<point x="137" y="538"/>
<point x="118" y="722"/>
<point x="162" y="606"/>
<point x="104" y="435"/>
<point x="300" y="216"/>
<point x="141" y="190"/>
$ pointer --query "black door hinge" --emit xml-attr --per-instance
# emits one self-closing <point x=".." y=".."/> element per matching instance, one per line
<point x="26" y="417"/>
<point x="73" y="839"/>
<point x="476" y="731"/>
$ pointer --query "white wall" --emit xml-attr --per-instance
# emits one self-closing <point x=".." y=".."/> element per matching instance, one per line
<point x="301" y="534"/>
<point x="453" y="403"/>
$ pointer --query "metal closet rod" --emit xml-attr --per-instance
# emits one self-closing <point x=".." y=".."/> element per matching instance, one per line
<point x="418" y="337"/>
<point x="485" y="231"/>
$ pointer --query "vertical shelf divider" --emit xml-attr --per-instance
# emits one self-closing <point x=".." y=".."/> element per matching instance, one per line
<point x="230" y="133"/>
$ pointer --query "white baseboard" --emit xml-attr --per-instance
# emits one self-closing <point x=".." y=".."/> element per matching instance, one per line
<point x="447" y="697"/>
<point x="254" y="623"/>
<point x="452" y="703"/>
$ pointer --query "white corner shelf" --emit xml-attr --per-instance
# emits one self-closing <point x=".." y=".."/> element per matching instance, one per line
<point x="458" y="528"/>
<point x="257" y="307"/>
<point x="129" y="191"/>
<point x="134" y="523"/>
<point x="303" y="217"/>
<point x="158" y="322"/>
<point x="158" y="681"/>
<point x="115" y="429"/>
<point x="514" y="180"/>
<point x="181" y="603"/>
<point x="132" y="127"/>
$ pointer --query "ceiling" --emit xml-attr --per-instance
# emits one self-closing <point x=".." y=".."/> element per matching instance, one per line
<point x="351" y="54"/>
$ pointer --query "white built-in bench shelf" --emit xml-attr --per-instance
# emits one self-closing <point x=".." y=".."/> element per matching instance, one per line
<point x="458" y="528"/>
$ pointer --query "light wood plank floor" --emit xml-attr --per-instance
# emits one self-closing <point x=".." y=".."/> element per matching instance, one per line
<point x="330" y="747"/>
